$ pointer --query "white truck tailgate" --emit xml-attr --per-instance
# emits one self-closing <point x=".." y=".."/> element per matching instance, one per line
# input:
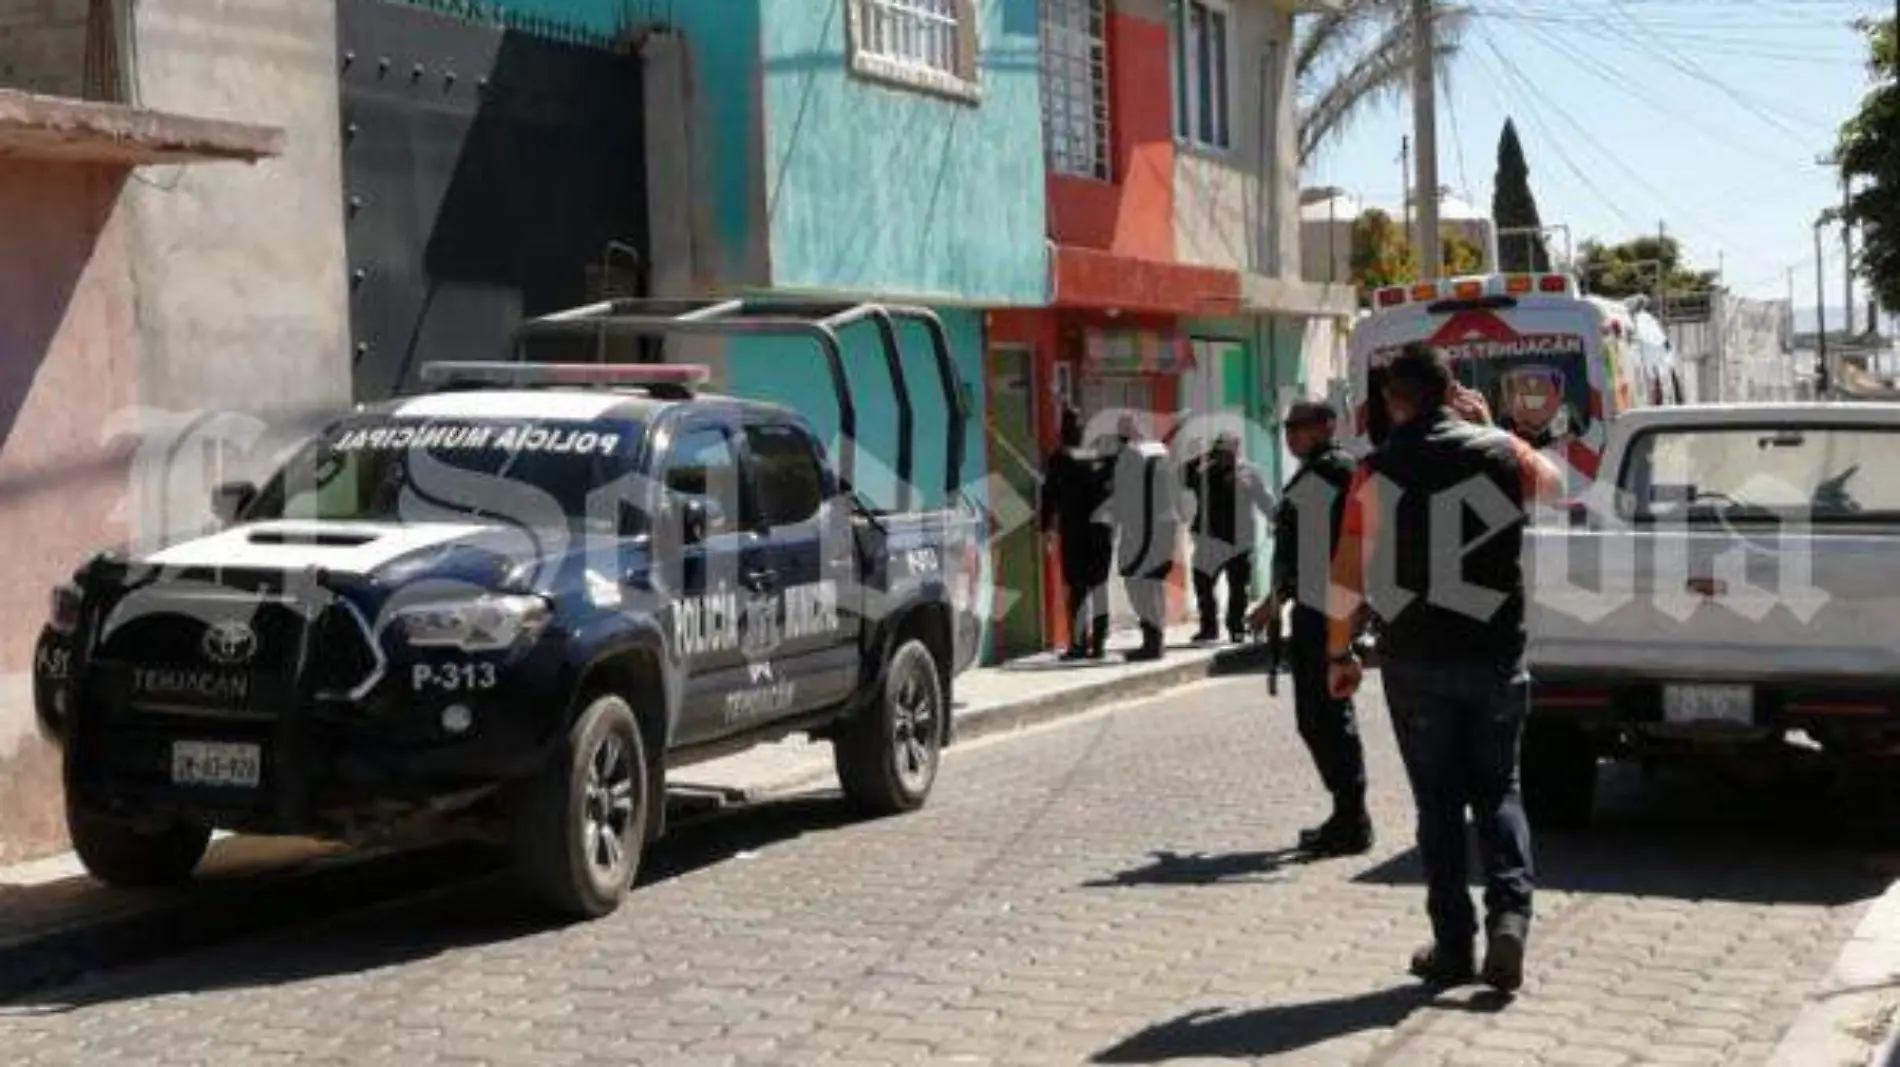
<point x="1733" y="604"/>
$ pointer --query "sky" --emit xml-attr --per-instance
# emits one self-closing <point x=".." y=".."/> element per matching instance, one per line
<point x="1706" y="117"/>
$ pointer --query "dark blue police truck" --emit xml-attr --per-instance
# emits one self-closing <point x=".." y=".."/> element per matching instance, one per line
<point x="517" y="600"/>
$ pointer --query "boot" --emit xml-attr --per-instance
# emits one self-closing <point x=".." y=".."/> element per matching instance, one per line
<point x="1439" y="966"/>
<point x="1347" y="833"/>
<point x="1504" y="953"/>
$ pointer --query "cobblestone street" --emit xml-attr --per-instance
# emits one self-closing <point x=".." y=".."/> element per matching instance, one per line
<point x="1107" y="890"/>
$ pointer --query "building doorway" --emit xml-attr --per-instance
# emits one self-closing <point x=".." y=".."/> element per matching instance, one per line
<point x="1016" y="554"/>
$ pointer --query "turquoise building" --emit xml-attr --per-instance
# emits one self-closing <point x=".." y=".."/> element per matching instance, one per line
<point x="858" y="149"/>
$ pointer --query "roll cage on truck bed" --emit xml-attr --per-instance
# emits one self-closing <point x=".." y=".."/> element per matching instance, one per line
<point x="428" y="730"/>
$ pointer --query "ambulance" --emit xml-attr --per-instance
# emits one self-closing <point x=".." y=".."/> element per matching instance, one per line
<point x="1554" y="364"/>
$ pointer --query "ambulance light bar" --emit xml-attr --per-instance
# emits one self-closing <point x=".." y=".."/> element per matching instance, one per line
<point x="676" y="376"/>
<point x="1476" y="288"/>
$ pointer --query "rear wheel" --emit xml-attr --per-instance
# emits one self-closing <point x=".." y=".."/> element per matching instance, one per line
<point x="887" y="757"/>
<point x="1559" y="770"/>
<point x="580" y="822"/>
<point x="130" y="856"/>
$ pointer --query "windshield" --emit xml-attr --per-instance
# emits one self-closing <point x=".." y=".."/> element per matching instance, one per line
<point x="1824" y="473"/>
<point x="533" y="473"/>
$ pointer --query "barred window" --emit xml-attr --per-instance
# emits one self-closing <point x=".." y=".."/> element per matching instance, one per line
<point x="928" y="44"/>
<point x="1075" y="87"/>
<point x="1202" y="58"/>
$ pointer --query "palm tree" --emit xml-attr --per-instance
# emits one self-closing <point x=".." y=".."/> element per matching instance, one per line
<point x="1348" y="59"/>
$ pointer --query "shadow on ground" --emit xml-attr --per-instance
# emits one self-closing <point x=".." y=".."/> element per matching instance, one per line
<point x="1204" y="868"/>
<point x="1281" y="1028"/>
<point x="419" y="905"/>
<point x="1694" y="835"/>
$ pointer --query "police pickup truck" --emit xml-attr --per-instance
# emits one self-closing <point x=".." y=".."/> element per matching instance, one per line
<point x="519" y="599"/>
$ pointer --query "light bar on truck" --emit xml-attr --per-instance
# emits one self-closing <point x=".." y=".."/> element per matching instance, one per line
<point x="495" y="373"/>
<point x="1476" y="287"/>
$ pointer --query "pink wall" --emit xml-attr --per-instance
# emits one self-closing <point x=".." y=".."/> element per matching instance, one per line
<point x="67" y="364"/>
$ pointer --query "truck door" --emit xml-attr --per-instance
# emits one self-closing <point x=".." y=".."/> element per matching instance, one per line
<point x="807" y="656"/>
<point x="700" y="466"/>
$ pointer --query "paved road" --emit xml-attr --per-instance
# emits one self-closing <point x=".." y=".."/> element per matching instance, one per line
<point x="1107" y="890"/>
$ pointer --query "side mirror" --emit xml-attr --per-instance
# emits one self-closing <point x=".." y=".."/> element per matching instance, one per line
<point x="229" y="499"/>
<point x="700" y="518"/>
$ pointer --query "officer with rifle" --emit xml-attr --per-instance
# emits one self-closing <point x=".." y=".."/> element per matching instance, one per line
<point x="1306" y="533"/>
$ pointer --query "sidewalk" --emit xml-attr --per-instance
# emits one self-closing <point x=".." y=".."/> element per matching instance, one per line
<point x="57" y="924"/>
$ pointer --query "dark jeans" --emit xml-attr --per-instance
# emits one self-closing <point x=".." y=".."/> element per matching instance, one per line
<point x="1459" y="728"/>
<point x="1209" y="567"/>
<point x="1088" y="613"/>
<point x="1327" y="725"/>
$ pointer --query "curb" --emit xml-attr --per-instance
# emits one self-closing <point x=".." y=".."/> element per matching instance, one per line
<point x="254" y="904"/>
<point x="1010" y="716"/>
<point x="1850" y="1019"/>
<point x="246" y="905"/>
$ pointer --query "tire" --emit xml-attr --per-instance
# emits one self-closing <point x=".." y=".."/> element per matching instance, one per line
<point x="887" y="757"/>
<point x="127" y="856"/>
<point x="1559" y="771"/>
<point x="579" y="823"/>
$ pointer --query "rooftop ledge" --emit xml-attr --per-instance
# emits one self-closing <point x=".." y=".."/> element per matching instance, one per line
<point x="66" y="130"/>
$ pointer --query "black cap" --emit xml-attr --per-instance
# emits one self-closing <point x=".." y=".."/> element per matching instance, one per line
<point x="1311" y="413"/>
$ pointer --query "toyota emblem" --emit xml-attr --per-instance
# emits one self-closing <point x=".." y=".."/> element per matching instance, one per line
<point x="230" y="643"/>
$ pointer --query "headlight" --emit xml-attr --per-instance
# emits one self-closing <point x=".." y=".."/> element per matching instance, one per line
<point x="484" y="624"/>
<point x="63" y="617"/>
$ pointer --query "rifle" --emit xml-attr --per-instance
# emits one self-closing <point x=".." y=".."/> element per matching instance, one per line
<point x="1276" y="652"/>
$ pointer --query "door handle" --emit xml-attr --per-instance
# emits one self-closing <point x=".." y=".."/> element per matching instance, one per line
<point x="760" y="581"/>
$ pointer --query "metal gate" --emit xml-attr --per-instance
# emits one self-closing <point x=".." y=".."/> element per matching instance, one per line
<point x="490" y="172"/>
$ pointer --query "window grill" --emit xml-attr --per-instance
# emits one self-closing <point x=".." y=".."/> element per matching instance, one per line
<point x="1075" y="87"/>
<point x="921" y="34"/>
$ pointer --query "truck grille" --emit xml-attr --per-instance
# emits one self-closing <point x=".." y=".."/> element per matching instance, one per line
<point x="232" y="652"/>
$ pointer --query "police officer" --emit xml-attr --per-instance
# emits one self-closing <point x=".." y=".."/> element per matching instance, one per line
<point x="1306" y="531"/>
<point x="1147" y="512"/>
<point x="1227" y="491"/>
<point x="1451" y="612"/>
<point x="1074" y="488"/>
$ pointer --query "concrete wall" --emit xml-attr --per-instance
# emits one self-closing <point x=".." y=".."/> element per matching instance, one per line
<point x="242" y="299"/>
<point x="68" y="362"/>
<point x="43" y="46"/>
<point x="1226" y="215"/>
<point x="874" y="188"/>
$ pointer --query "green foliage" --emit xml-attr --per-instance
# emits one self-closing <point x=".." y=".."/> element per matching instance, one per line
<point x="1869" y="152"/>
<point x="1381" y="255"/>
<point x="1646" y="265"/>
<point x="1460" y="256"/>
<point x="1348" y="59"/>
<point x="1513" y="208"/>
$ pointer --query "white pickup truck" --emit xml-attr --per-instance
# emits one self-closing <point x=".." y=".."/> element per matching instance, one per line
<point x="1732" y="582"/>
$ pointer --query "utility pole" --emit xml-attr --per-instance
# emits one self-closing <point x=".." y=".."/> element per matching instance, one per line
<point x="1425" y="129"/>
<point x="1405" y="184"/>
<point x="1847" y="246"/>
<point x="1822" y="380"/>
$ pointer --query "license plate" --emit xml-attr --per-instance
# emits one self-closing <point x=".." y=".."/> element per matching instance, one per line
<point x="1709" y="703"/>
<point x="216" y="763"/>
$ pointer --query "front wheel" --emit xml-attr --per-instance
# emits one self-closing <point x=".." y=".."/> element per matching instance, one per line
<point x="580" y="822"/>
<point x="887" y="757"/>
<point x="128" y="856"/>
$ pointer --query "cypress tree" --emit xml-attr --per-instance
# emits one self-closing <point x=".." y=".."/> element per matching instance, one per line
<point x="1513" y="208"/>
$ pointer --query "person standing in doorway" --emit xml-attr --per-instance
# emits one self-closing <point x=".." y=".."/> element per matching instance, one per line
<point x="1227" y="492"/>
<point x="1147" y="512"/>
<point x="1074" y="488"/>
<point x="1306" y="533"/>
<point x="1441" y="505"/>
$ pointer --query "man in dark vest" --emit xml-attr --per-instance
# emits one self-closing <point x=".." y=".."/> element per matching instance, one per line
<point x="1147" y="510"/>
<point x="1433" y="534"/>
<point x="1305" y="534"/>
<point x="1074" y="488"/>
<point x="1227" y="491"/>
